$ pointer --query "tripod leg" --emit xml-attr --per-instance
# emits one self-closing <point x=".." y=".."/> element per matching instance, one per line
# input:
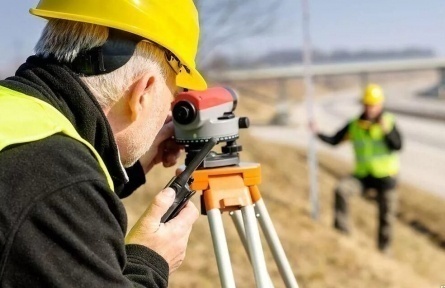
<point x="221" y="249"/>
<point x="275" y="245"/>
<point x="254" y="244"/>
<point x="237" y="219"/>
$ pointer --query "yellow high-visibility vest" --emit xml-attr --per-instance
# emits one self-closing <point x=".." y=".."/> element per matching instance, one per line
<point x="372" y="155"/>
<point x="25" y="119"/>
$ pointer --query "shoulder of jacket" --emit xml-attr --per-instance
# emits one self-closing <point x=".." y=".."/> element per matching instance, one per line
<point x="57" y="156"/>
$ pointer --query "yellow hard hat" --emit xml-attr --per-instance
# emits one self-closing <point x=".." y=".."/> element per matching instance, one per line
<point x="373" y="95"/>
<point x="172" y="24"/>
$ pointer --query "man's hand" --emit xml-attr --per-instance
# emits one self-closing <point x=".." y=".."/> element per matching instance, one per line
<point x="164" y="149"/>
<point x="167" y="239"/>
<point x="384" y="125"/>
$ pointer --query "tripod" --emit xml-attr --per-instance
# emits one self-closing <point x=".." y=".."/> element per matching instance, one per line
<point x="234" y="189"/>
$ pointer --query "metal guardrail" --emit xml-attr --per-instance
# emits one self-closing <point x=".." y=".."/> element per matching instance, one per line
<point x="297" y="71"/>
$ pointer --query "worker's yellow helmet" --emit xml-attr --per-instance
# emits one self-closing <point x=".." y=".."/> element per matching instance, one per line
<point x="373" y="95"/>
<point x="173" y="24"/>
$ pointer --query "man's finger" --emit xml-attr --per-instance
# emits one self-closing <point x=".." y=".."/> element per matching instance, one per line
<point x="171" y="144"/>
<point x="160" y="204"/>
<point x="170" y="157"/>
<point x="169" y="118"/>
<point x="186" y="217"/>
<point x="170" y="160"/>
<point x="166" y="132"/>
<point x="179" y="170"/>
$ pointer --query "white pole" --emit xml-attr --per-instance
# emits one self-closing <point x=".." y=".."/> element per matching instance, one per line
<point x="221" y="249"/>
<point x="275" y="245"/>
<point x="309" y="90"/>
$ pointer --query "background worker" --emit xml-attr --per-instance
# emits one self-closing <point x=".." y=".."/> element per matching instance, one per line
<point x="375" y="139"/>
<point x="94" y="99"/>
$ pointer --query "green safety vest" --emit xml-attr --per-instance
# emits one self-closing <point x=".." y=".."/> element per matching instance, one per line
<point x="25" y="119"/>
<point x="372" y="155"/>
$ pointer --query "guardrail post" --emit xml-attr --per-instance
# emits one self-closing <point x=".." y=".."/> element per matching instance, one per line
<point x="441" y="84"/>
<point x="281" y="116"/>
<point x="364" y="79"/>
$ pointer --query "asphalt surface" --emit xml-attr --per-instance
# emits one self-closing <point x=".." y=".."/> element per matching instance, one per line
<point x="423" y="155"/>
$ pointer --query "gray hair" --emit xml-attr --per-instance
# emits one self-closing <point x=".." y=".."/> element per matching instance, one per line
<point x="64" y="39"/>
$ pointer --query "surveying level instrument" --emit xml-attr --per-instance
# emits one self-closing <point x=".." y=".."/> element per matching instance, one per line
<point x="227" y="184"/>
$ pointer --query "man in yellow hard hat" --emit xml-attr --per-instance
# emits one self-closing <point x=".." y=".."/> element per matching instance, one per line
<point x="375" y="139"/>
<point x="81" y="123"/>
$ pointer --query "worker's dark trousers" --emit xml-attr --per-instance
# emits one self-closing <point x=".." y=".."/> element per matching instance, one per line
<point x="386" y="198"/>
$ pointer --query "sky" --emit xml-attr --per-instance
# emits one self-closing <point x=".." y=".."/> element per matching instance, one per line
<point x="356" y="25"/>
<point x="335" y="24"/>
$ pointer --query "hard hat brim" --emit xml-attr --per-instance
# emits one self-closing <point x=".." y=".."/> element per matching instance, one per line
<point x="192" y="80"/>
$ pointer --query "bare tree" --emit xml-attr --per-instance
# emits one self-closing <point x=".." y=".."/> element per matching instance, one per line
<point x="232" y="20"/>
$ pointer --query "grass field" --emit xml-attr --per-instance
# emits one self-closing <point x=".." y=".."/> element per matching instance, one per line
<point x="320" y="256"/>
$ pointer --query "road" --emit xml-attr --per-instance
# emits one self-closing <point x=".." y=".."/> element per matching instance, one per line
<point x="423" y="156"/>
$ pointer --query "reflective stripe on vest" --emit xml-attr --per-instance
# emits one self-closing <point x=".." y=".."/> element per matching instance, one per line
<point x="25" y="119"/>
<point x="372" y="155"/>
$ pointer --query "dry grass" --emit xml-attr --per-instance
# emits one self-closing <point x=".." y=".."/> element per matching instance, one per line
<point x="320" y="256"/>
<point x="420" y="210"/>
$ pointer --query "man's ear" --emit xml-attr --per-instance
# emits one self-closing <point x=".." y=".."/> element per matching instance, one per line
<point x="138" y="94"/>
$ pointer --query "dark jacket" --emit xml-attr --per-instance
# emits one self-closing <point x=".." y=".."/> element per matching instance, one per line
<point x="60" y="224"/>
